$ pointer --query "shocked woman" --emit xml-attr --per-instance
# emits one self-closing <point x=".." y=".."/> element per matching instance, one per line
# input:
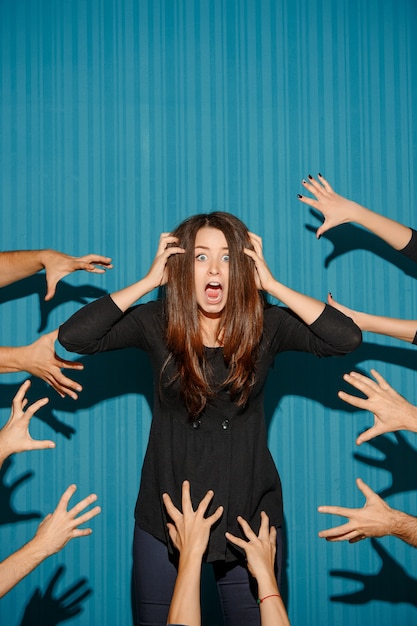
<point x="211" y="341"/>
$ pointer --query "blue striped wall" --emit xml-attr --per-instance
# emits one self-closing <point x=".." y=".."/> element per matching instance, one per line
<point x="118" y="118"/>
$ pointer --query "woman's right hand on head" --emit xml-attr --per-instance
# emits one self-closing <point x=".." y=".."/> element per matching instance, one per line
<point x="158" y="274"/>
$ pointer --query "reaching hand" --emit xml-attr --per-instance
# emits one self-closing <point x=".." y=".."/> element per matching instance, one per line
<point x="374" y="519"/>
<point x="59" y="527"/>
<point x="335" y="209"/>
<point x="15" y="436"/>
<point x="190" y="529"/>
<point x="391" y="411"/>
<point x="259" y="549"/>
<point x="40" y="359"/>
<point x="57" y="265"/>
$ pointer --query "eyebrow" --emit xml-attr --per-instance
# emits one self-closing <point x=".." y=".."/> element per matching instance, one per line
<point x="207" y="248"/>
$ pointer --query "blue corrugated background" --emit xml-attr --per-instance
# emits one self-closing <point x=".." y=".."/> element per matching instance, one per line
<point x="118" y="118"/>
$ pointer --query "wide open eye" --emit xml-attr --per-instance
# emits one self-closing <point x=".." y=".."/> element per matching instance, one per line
<point x="225" y="257"/>
<point x="201" y="257"/>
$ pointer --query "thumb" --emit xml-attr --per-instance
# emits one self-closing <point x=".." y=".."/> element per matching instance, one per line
<point x="50" y="290"/>
<point x="320" y="231"/>
<point x="42" y="444"/>
<point x="367" y="435"/>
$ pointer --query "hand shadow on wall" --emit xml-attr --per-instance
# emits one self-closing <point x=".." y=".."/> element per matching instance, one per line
<point x="8" y="515"/>
<point x="306" y="376"/>
<point x="105" y="376"/>
<point x="399" y="459"/>
<point x="81" y="294"/>
<point x="43" y="609"/>
<point x="348" y="237"/>
<point x="391" y="584"/>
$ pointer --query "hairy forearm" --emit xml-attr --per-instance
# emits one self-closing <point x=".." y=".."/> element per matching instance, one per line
<point x="11" y="359"/>
<point x="394" y="233"/>
<point x="404" y="526"/>
<point x="19" y="564"/>
<point x="20" y="264"/>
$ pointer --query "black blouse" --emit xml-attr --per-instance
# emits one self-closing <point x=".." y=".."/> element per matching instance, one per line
<point x="410" y="251"/>
<point x="226" y="449"/>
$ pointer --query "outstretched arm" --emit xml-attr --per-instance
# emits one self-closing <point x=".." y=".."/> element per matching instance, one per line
<point x="374" y="519"/>
<point x="189" y="531"/>
<point x="40" y="359"/>
<point x="339" y="210"/>
<point x="260" y="554"/>
<point x="15" y="436"/>
<point x="391" y="411"/>
<point x="22" y="263"/>
<point x="56" y="530"/>
<point x="405" y="330"/>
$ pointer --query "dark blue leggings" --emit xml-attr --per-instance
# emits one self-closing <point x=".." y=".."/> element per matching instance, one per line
<point x="154" y="575"/>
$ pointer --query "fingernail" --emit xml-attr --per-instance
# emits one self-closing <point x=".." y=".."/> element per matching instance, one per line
<point x="310" y="177"/>
<point x="299" y="195"/>
<point x="320" y="175"/>
<point x="304" y="181"/>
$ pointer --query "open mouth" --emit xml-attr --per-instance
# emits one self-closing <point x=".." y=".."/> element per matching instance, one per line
<point x="214" y="292"/>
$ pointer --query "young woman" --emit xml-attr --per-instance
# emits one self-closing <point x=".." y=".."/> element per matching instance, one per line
<point x="211" y="342"/>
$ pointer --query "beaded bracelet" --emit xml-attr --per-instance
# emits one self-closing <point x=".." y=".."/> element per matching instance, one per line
<point x="272" y="595"/>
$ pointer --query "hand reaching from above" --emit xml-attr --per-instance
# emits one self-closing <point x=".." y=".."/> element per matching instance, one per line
<point x="57" y="265"/>
<point x="391" y="411"/>
<point x="335" y="208"/>
<point x="15" y="436"/>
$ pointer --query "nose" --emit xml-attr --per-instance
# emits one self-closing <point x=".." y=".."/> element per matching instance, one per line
<point x="214" y="268"/>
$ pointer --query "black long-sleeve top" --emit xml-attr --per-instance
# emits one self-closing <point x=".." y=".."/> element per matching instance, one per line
<point x="410" y="251"/>
<point x="226" y="449"/>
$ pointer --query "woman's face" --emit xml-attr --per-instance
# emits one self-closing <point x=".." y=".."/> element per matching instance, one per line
<point x="211" y="271"/>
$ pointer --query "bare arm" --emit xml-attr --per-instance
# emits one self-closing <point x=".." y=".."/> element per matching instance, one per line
<point x="56" y="530"/>
<point x="20" y="264"/>
<point x="405" y="330"/>
<point x="391" y="411"/>
<point x="374" y="519"/>
<point x="307" y="308"/>
<point x="339" y="210"/>
<point x="156" y="277"/>
<point x="260" y="554"/>
<point x="189" y="531"/>
<point x="41" y="360"/>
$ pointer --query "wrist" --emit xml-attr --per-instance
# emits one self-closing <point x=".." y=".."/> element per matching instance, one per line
<point x="45" y="256"/>
<point x="38" y="549"/>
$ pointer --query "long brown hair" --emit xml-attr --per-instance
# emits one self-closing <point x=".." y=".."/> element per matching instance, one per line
<point x="241" y="322"/>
